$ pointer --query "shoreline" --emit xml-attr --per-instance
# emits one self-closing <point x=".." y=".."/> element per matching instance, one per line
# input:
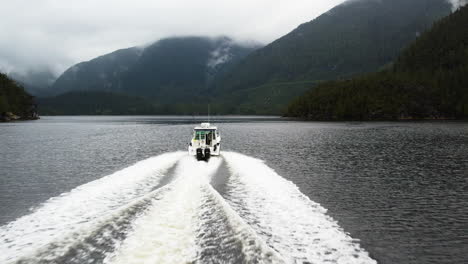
<point x="11" y="117"/>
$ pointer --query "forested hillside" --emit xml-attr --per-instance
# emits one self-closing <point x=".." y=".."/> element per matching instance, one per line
<point x="429" y="80"/>
<point x="95" y="103"/>
<point x="352" y="38"/>
<point x="99" y="74"/>
<point x="173" y="75"/>
<point x="111" y="103"/>
<point x="169" y="70"/>
<point x="15" y="103"/>
<point x="182" y="69"/>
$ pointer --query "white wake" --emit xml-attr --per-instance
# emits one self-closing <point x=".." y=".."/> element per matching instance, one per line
<point x="167" y="232"/>
<point x="124" y="218"/>
<point x="79" y="209"/>
<point x="286" y="219"/>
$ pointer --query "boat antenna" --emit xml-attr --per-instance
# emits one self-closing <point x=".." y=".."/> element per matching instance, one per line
<point x="208" y="113"/>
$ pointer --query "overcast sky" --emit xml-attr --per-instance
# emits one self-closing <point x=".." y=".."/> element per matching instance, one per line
<point x="59" y="33"/>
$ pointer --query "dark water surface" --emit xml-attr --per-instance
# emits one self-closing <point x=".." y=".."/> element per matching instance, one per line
<point x="400" y="188"/>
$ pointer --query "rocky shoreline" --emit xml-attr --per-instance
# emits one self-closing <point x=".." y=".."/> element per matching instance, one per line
<point x="10" y="117"/>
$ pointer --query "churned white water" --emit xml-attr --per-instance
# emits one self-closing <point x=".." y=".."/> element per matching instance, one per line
<point x="260" y="218"/>
<point x="78" y="209"/>
<point x="228" y="228"/>
<point x="293" y="225"/>
<point x="167" y="232"/>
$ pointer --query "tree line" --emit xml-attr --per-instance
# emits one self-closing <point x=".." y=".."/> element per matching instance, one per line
<point x="428" y="80"/>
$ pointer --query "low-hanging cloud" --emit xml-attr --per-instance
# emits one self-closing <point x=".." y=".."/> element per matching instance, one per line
<point x="456" y="4"/>
<point x="55" y="34"/>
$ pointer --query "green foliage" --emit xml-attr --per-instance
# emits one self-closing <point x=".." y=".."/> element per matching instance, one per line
<point x="14" y="99"/>
<point x="94" y="103"/>
<point x="429" y="80"/>
<point x="353" y="38"/>
<point x="265" y="99"/>
<point x="109" y="103"/>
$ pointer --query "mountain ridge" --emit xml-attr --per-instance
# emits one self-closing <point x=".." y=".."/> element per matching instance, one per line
<point x="146" y="71"/>
<point x="429" y="80"/>
<point x="352" y="38"/>
<point x="98" y="73"/>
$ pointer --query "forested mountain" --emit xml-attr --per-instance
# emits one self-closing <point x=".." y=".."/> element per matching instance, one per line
<point x="100" y="74"/>
<point x="182" y="69"/>
<point x="428" y="80"/>
<point x="355" y="37"/>
<point x="15" y="103"/>
<point x="173" y="75"/>
<point x="170" y="69"/>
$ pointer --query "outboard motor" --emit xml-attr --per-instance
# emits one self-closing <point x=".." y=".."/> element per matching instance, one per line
<point x="199" y="154"/>
<point x="207" y="154"/>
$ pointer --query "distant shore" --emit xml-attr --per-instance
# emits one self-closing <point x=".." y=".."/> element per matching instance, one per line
<point x="11" y="117"/>
<point x="400" y="119"/>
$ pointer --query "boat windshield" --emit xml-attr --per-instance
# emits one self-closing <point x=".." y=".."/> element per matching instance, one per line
<point x="202" y="133"/>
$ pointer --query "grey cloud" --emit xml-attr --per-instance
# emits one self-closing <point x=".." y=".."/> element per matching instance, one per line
<point x="55" y="34"/>
<point x="458" y="3"/>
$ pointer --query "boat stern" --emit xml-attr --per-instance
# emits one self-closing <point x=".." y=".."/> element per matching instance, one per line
<point x="206" y="142"/>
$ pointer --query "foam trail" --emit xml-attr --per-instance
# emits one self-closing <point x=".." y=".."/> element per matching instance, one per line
<point x="92" y="244"/>
<point x="167" y="232"/>
<point x="286" y="219"/>
<point x="224" y="237"/>
<point x="81" y="208"/>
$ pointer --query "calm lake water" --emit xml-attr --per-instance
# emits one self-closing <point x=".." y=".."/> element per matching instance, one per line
<point x="123" y="190"/>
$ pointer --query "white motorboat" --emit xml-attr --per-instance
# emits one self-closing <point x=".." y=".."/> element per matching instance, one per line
<point x="206" y="142"/>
